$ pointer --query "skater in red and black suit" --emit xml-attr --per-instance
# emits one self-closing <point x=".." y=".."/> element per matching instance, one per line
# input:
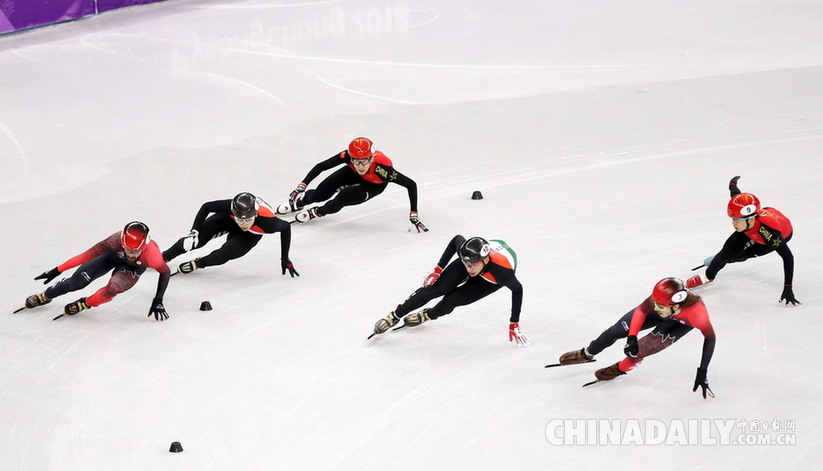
<point x="245" y="218"/>
<point x="758" y="231"/>
<point x="365" y="174"/>
<point x="126" y="254"/>
<point x="482" y="267"/>
<point x="672" y="311"/>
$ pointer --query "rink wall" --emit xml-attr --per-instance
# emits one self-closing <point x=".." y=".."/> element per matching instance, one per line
<point x="22" y="14"/>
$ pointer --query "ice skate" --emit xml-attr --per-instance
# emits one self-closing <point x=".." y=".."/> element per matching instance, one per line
<point x="386" y="323"/>
<point x="609" y="373"/>
<point x="291" y="206"/>
<point x="75" y="307"/>
<point x="416" y="319"/>
<point x="575" y="356"/>
<point x="38" y="299"/>
<point x="188" y="267"/>
<point x="697" y="280"/>
<point x="307" y="215"/>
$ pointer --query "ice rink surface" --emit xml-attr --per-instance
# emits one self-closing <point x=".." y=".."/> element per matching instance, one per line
<point x="601" y="134"/>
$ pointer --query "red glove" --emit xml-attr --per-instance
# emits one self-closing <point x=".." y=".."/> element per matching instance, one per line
<point x="516" y="336"/>
<point x="432" y="277"/>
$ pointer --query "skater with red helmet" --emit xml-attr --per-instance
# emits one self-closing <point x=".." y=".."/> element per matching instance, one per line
<point x="365" y="174"/>
<point x="758" y="231"/>
<point x="126" y="254"/>
<point x="672" y="311"/>
<point x="245" y="218"/>
<point x="482" y="267"/>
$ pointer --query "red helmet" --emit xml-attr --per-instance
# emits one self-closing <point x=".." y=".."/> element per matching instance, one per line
<point x="361" y="148"/>
<point x="669" y="291"/>
<point x="743" y="206"/>
<point x="135" y="236"/>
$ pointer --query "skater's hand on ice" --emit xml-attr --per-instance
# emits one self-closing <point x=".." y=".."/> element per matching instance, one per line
<point x="701" y="381"/>
<point x="286" y="265"/>
<point x="516" y="336"/>
<point x="788" y="296"/>
<point x="158" y="310"/>
<point x="415" y="223"/>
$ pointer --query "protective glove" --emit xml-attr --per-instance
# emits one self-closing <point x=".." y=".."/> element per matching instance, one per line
<point x="415" y="223"/>
<point x="631" y="349"/>
<point x="432" y="277"/>
<point x="516" y="336"/>
<point x="47" y="276"/>
<point x="733" y="189"/>
<point x="190" y="241"/>
<point x="294" y="194"/>
<point x="286" y="264"/>
<point x="701" y="381"/>
<point x="788" y="296"/>
<point x="158" y="310"/>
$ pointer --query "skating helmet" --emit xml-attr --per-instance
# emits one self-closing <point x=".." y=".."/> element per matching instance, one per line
<point x="743" y="206"/>
<point x="135" y="236"/>
<point x="361" y="148"/>
<point x="669" y="291"/>
<point x="244" y="206"/>
<point x="474" y="250"/>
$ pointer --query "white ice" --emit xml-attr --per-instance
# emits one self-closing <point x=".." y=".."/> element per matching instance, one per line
<point x="602" y="135"/>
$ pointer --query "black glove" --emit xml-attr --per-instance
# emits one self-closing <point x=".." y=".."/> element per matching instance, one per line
<point x="286" y="264"/>
<point x="701" y="381"/>
<point x="788" y="296"/>
<point x="733" y="190"/>
<point x="631" y="349"/>
<point x="47" y="276"/>
<point x="158" y="310"/>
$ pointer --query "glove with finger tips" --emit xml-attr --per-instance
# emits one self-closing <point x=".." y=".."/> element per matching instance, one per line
<point x="47" y="276"/>
<point x="700" y="381"/>
<point x="286" y="265"/>
<point x="415" y="223"/>
<point x="296" y="192"/>
<point x="158" y="310"/>
<point x="515" y="335"/>
<point x="432" y="277"/>
<point x="788" y="296"/>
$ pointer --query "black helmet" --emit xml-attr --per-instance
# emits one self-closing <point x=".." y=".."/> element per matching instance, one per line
<point x="474" y="250"/>
<point x="244" y="206"/>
